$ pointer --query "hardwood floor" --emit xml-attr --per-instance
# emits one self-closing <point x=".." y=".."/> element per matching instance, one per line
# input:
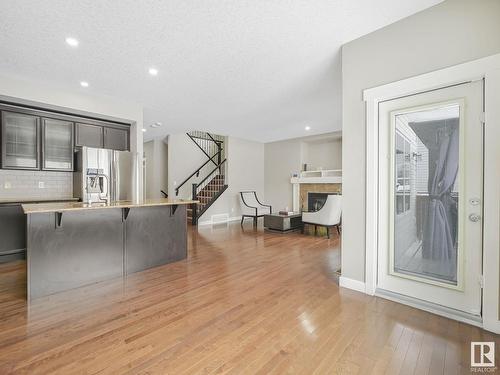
<point x="244" y="302"/>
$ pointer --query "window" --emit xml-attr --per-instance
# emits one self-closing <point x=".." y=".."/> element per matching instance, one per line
<point x="403" y="168"/>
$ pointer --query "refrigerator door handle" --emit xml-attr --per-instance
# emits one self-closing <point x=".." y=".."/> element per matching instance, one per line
<point x="114" y="176"/>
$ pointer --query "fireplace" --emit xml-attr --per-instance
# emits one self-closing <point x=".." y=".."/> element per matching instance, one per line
<point x="302" y="190"/>
<point x="316" y="200"/>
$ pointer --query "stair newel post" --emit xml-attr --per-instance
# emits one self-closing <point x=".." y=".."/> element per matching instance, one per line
<point x="219" y="160"/>
<point x="194" y="219"/>
<point x="219" y="155"/>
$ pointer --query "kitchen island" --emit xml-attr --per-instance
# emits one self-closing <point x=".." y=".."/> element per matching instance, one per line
<point x="72" y="244"/>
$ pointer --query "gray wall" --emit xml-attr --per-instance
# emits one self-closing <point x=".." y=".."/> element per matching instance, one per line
<point x="283" y="158"/>
<point x="447" y="34"/>
<point x="324" y="155"/>
<point x="156" y="154"/>
<point x="183" y="158"/>
<point x="149" y="183"/>
<point x="245" y="171"/>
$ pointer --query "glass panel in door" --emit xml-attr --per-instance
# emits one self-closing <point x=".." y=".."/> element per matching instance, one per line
<point x="21" y="141"/>
<point x="426" y="164"/>
<point x="430" y="192"/>
<point x="57" y="145"/>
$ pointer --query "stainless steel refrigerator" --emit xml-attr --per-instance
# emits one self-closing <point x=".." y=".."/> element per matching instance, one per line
<point x="103" y="175"/>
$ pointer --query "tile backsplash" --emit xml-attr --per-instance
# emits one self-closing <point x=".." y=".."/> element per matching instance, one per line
<point x="35" y="184"/>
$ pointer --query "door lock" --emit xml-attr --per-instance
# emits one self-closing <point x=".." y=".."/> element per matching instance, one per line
<point x="474" y="201"/>
<point x="474" y="218"/>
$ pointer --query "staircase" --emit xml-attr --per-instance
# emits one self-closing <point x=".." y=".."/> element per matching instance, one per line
<point x="208" y="181"/>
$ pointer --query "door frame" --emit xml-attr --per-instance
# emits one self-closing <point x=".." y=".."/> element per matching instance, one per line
<point x="487" y="68"/>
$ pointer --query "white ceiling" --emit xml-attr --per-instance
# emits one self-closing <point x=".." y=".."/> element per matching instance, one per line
<point x="255" y="69"/>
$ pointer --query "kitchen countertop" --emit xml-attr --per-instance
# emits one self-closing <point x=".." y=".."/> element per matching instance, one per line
<point x="78" y="206"/>
<point x="35" y="200"/>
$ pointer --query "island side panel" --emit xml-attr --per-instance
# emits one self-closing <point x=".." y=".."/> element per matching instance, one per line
<point x="155" y="236"/>
<point x="86" y="248"/>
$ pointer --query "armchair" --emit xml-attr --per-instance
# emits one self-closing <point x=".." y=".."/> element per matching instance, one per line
<point x="251" y="206"/>
<point x="328" y="216"/>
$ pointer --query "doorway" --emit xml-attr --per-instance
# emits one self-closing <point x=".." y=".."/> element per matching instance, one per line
<point x="485" y="75"/>
<point x="430" y="197"/>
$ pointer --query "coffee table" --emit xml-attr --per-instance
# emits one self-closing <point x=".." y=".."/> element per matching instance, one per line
<point x="283" y="223"/>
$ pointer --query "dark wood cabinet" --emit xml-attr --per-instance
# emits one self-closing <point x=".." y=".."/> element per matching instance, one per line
<point x="116" y="139"/>
<point x="34" y="143"/>
<point x="102" y="137"/>
<point x="89" y="135"/>
<point x="20" y="141"/>
<point x="37" y="139"/>
<point x="57" y="145"/>
<point x="12" y="232"/>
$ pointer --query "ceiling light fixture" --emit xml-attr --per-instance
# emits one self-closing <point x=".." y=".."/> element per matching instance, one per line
<point x="153" y="71"/>
<point x="308" y="127"/>
<point x="144" y="130"/>
<point x="84" y="84"/>
<point x="156" y="125"/>
<point x="72" y="42"/>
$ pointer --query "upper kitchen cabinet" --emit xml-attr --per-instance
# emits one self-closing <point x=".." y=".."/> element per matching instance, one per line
<point x="102" y="137"/>
<point x="89" y="135"/>
<point x="20" y="141"/>
<point x="57" y="145"/>
<point x="116" y="139"/>
<point x="37" y="139"/>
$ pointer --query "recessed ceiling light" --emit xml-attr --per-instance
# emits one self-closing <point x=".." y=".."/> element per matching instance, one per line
<point x="84" y="84"/>
<point x="308" y="128"/>
<point x="144" y="130"/>
<point x="153" y="71"/>
<point x="72" y="42"/>
<point x="156" y="125"/>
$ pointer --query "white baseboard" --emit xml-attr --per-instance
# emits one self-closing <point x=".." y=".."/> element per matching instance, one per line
<point x="345" y="282"/>
<point x="210" y="222"/>
<point x="432" y="308"/>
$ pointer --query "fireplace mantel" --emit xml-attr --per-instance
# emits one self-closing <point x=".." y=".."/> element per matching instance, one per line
<point x="326" y="176"/>
<point x="316" y="180"/>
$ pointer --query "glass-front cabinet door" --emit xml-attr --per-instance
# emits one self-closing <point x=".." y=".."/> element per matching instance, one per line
<point x="57" y="145"/>
<point x="20" y="135"/>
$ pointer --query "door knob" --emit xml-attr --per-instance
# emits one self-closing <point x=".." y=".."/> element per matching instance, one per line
<point x="474" y="218"/>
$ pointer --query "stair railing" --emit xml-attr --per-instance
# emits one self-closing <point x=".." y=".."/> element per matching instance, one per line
<point x="203" y="183"/>
<point x="194" y="207"/>
<point x="220" y="186"/>
<point x="197" y="171"/>
<point x="219" y="148"/>
<point x="211" y="186"/>
<point x="207" y="145"/>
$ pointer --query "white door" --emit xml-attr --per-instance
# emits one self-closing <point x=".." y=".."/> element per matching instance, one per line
<point x="430" y="196"/>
